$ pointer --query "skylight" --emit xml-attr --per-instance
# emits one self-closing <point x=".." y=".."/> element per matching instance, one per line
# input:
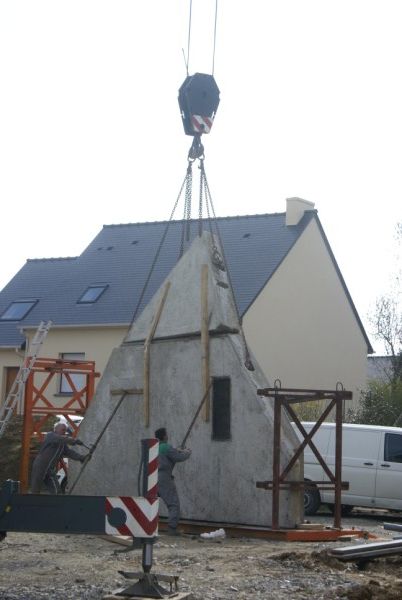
<point x="18" y="310"/>
<point x="92" y="294"/>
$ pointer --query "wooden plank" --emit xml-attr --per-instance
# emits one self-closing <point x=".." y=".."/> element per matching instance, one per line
<point x="122" y="540"/>
<point x="129" y="391"/>
<point x="205" y="339"/>
<point x="147" y="352"/>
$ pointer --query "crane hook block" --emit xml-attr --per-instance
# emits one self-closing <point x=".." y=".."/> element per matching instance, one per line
<point x="198" y="101"/>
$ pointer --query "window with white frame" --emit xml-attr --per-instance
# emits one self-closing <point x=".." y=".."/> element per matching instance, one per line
<point x="78" y="380"/>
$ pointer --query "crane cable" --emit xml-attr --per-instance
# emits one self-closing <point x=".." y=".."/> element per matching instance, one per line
<point x="213" y="53"/>
<point x="190" y="14"/>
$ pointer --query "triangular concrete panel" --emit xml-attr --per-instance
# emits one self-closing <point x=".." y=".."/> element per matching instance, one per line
<point x="218" y="483"/>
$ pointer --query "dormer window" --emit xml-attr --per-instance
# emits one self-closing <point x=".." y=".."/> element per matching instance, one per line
<point x="92" y="294"/>
<point x="18" y="310"/>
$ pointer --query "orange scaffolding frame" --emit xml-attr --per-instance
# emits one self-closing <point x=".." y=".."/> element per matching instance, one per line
<point x="39" y="407"/>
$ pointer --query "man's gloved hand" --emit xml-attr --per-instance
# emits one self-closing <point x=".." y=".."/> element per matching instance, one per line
<point x="78" y="442"/>
<point x="82" y="459"/>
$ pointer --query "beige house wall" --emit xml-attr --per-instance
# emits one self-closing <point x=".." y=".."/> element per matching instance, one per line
<point x="97" y="344"/>
<point x="301" y="327"/>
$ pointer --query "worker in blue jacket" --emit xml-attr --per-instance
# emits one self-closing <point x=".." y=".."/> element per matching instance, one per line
<point x="168" y="457"/>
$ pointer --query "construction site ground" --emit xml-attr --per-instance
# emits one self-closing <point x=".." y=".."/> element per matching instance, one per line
<point x="39" y="566"/>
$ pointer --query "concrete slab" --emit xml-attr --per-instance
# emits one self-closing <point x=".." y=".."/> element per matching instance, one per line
<point x="218" y="483"/>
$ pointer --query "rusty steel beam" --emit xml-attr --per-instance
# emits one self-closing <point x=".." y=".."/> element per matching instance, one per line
<point x="235" y="530"/>
<point x="313" y="394"/>
<point x="325" y="485"/>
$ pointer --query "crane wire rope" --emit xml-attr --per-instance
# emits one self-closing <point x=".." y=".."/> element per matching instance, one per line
<point x="189" y="35"/>
<point x="187" y="59"/>
<point x="213" y="53"/>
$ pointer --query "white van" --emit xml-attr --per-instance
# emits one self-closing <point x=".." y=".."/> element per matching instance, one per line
<point x="371" y="463"/>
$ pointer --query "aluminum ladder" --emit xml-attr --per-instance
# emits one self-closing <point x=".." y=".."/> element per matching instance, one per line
<point x="16" y="393"/>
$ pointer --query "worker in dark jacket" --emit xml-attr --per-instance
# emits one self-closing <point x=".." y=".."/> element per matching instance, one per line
<point x="55" y="447"/>
<point x="168" y="457"/>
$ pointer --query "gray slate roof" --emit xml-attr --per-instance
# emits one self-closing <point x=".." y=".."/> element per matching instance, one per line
<point x="121" y="256"/>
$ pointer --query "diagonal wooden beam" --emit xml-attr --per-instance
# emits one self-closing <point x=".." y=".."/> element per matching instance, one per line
<point x="147" y="350"/>
<point x="205" y="340"/>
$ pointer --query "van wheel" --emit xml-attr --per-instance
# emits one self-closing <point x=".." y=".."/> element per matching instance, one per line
<point x="346" y="509"/>
<point x="312" y="501"/>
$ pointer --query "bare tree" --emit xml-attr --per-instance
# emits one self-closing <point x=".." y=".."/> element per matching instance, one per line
<point x="387" y="317"/>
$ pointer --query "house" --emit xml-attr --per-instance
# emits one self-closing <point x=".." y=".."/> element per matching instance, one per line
<point x="298" y="316"/>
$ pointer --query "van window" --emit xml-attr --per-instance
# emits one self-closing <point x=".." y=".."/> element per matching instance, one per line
<point x="393" y="447"/>
<point x="357" y="443"/>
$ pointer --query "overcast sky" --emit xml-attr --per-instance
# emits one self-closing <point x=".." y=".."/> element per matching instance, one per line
<point x="311" y="106"/>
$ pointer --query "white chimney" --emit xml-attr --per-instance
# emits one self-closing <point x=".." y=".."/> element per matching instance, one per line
<point x="295" y="209"/>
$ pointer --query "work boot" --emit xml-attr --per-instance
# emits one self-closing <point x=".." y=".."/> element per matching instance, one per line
<point x="173" y="531"/>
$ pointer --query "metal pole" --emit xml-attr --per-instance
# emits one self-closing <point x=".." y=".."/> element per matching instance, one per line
<point x="276" y="461"/>
<point x="26" y="434"/>
<point x="94" y="446"/>
<point x="338" y="462"/>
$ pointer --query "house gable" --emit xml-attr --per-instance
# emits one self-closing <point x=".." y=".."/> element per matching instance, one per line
<point x="303" y="321"/>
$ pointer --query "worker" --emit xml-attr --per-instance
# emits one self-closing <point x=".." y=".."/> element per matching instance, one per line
<point x="168" y="457"/>
<point x="55" y="447"/>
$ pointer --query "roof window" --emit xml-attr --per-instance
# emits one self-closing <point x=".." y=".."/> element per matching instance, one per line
<point x="18" y="310"/>
<point x="92" y="294"/>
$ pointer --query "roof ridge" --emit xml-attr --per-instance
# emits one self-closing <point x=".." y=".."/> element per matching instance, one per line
<point x="52" y="258"/>
<point x="228" y="217"/>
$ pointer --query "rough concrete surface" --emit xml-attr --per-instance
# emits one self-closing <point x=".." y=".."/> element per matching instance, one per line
<point x="49" y="567"/>
<point x="218" y="483"/>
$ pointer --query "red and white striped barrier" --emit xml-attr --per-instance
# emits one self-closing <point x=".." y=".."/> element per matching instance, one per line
<point x="126" y="515"/>
<point x="134" y="516"/>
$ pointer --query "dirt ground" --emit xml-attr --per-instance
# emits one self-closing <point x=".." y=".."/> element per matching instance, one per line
<point x="37" y="566"/>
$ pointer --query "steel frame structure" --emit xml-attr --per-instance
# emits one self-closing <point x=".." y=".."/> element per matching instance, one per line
<point x="39" y="406"/>
<point x="285" y="398"/>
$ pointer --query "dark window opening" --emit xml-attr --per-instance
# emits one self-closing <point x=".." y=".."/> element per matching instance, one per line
<point x="134" y="242"/>
<point x="246" y="235"/>
<point x="393" y="447"/>
<point x="18" y="310"/>
<point x="110" y="248"/>
<point x="92" y="294"/>
<point x="221" y="409"/>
